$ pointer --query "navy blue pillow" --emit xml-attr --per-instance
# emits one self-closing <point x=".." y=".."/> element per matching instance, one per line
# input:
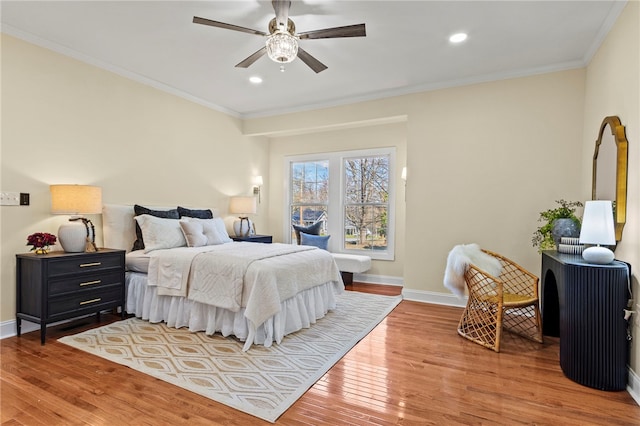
<point x="200" y="214"/>
<point x="138" y="244"/>
<point x="320" y="241"/>
<point x="309" y="230"/>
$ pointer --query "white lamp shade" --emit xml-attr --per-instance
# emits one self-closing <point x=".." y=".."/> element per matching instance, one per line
<point x="598" y="229"/>
<point x="76" y="199"/>
<point x="597" y="223"/>
<point x="243" y="205"/>
<point x="258" y="181"/>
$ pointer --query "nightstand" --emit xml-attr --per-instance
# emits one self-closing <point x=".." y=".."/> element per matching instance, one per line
<point x="58" y="286"/>
<point x="267" y="239"/>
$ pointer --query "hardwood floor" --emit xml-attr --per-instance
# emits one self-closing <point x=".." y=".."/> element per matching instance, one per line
<point x="413" y="369"/>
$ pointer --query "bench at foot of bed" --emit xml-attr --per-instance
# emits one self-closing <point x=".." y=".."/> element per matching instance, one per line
<point x="349" y="264"/>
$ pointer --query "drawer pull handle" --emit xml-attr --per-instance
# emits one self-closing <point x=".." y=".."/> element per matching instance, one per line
<point x="84" y="265"/>
<point x="90" y="283"/>
<point x="86" y="302"/>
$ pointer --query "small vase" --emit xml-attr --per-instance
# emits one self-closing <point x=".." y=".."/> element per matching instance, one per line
<point x="42" y="250"/>
<point x="564" y="227"/>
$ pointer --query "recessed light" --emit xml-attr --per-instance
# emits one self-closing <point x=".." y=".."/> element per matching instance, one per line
<point x="255" y="80"/>
<point x="458" y="38"/>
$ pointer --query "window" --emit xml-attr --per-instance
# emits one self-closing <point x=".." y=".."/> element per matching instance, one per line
<point x="351" y="193"/>
<point x="309" y="186"/>
<point x="366" y="202"/>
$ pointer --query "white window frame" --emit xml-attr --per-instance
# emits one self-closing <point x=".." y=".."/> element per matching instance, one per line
<point x="335" y="224"/>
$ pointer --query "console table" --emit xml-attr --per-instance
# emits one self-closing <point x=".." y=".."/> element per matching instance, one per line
<point x="584" y="304"/>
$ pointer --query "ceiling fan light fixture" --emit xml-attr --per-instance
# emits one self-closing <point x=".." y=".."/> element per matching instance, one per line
<point x="458" y="38"/>
<point x="282" y="47"/>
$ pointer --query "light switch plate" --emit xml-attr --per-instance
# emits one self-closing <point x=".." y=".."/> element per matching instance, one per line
<point x="9" y="198"/>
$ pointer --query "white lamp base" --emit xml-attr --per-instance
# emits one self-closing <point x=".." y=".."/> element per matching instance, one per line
<point x="73" y="237"/>
<point x="597" y="254"/>
<point x="243" y="227"/>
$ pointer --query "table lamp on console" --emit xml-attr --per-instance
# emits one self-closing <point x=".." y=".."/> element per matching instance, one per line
<point x="77" y="235"/>
<point x="598" y="229"/>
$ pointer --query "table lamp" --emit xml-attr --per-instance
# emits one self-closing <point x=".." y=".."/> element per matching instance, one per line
<point x="598" y="229"/>
<point x="243" y="206"/>
<point x="76" y="200"/>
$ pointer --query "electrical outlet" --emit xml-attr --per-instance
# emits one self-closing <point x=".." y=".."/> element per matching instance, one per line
<point x="9" y="198"/>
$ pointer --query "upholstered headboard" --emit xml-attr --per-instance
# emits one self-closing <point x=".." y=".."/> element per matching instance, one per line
<point x="119" y="225"/>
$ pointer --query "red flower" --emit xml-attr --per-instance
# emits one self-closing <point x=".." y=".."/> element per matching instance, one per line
<point x="40" y="240"/>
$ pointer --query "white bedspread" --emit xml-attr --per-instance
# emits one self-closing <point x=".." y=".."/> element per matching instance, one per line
<point x="258" y="277"/>
<point x="218" y="278"/>
<point x="169" y="269"/>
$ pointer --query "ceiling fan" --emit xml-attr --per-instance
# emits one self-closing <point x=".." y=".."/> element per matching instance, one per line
<point x="282" y="40"/>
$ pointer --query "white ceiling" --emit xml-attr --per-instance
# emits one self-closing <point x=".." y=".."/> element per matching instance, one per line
<point x="406" y="49"/>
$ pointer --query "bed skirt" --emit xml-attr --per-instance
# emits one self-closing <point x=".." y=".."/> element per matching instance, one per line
<point x="297" y="312"/>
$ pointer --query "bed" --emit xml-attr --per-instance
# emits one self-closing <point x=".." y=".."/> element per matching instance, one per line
<point x="257" y="293"/>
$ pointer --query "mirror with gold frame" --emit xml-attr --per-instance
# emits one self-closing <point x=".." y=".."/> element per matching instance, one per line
<point x="609" y="180"/>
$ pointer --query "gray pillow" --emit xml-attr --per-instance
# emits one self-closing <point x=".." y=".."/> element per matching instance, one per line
<point x="309" y="230"/>
<point x="200" y="214"/>
<point x="320" y="241"/>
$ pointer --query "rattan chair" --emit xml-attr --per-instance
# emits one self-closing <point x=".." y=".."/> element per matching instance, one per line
<point x="509" y="301"/>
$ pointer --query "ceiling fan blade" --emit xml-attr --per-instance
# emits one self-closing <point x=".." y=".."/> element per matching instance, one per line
<point x="251" y="59"/>
<point x="357" y="30"/>
<point x="204" y="21"/>
<point x="312" y="62"/>
<point x="281" y="7"/>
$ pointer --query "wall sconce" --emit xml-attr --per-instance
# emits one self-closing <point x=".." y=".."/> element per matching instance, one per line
<point x="404" y="178"/>
<point x="76" y="200"/>
<point x="598" y="229"/>
<point x="257" y="181"/>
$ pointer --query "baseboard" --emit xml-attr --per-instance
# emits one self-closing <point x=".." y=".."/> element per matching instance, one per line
<point x="8" y="328"/>
<point x="433" y="297"/>
<point x="378" y="279"/>
<point x="633" y="385"/>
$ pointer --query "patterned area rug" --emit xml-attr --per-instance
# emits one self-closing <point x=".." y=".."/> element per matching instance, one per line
<point x="263" y="382"/>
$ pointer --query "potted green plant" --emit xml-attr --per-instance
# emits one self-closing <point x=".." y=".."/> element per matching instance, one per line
<point x="558" y="222"/>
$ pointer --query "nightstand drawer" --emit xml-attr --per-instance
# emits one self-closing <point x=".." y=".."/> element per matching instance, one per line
<point x="91" y="301"/>
<point x="75" y="265"/>
<point x="83" y="282"/>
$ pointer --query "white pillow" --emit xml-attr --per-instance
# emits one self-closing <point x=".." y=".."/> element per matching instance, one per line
<point x="200" y="233"/>
<point x="159" y="233"/>
<point x="215" y="225"/>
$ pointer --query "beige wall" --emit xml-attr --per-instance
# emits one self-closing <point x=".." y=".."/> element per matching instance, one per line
<point x="482" y="160"/>
<point x="67" y="122"/>
<point x="613" y="88"/>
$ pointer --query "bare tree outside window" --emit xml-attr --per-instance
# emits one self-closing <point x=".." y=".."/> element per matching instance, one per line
<point x="366" y="202"/>
<point x="309" y="193"/>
